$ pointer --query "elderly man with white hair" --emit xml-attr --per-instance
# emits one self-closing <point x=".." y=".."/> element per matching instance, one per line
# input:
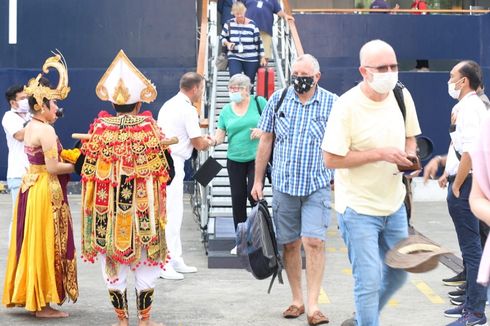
<point x="365" y="140"/>
<point x="297" y="117"/>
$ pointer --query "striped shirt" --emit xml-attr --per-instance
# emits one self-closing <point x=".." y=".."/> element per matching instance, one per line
<point x="298" y="168"/>
<point x="246" y="36"/>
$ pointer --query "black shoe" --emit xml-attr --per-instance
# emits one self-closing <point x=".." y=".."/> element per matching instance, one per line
<point x="455" y="280"/>
<point x="462" y="286"/>
<point x="457" y="293"/>
<point x="458" y="301"/>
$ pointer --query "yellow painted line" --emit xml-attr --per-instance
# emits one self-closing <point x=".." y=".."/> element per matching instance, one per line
<point x="347" y="271"/>
<point x="392" y="303"/>
<point x="323" y="298"/>
<point x="427" y="291"/>
<point x="332" y="233"/>
<point x="330" y="249"/>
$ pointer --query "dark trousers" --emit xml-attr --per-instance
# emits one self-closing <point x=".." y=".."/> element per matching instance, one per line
<point x="468" y="232"/>
<point x="248" y="68"/>
<point x="241" y="182"/>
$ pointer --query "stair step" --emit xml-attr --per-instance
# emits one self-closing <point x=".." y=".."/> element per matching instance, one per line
<point x="223" y="259"/>
<point x="221" y="211"/>
<point x="226" y="191"/>
<point x="226" y="201"/>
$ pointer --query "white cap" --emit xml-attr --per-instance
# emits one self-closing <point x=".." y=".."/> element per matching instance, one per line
<point x="123" y="83"/>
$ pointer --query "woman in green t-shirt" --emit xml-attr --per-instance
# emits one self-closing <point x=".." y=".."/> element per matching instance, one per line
<point x="238" y="121"/>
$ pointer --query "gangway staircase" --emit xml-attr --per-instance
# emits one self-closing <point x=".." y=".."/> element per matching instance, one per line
<point x="214" y="207"/>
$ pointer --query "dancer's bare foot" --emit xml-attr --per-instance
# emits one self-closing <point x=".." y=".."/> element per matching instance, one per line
<point x="48" y="312"/>
<point x="123" y="322"/>
<point x="149" y="323"/>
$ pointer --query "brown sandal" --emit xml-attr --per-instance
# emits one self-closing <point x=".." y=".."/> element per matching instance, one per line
<point x="293" y="311"/>
<point x="317" y="319"/>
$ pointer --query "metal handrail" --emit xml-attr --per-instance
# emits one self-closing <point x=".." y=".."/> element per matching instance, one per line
<point x="213" y="76"/>
<point x="289" y="46"/>
<point x="278" y="63"/>
<point x="292" y="27"/>
<point x="210" y="72"/>
<point x="404" y="11"/>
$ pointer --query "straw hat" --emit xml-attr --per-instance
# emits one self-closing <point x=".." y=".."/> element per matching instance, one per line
<point x="415" y="254"/>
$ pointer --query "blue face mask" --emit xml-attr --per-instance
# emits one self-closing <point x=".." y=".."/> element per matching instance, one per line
<point x="236" y="97"/>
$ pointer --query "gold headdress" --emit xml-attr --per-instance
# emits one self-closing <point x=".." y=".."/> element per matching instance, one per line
<point x="40" y="92"/>
<point x="123" y="83"/>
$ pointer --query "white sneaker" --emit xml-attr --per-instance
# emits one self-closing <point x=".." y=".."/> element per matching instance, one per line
<point x="233" y="251"/>
<point x="181" y="267"/>
<point x="169" y="273"/>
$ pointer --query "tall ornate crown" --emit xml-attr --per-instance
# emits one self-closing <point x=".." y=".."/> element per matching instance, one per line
<point x="40" y="92"/>
<point x="123" y="83"/>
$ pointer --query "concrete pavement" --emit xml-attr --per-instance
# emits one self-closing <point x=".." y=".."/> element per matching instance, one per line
<point x="234" y="297"/>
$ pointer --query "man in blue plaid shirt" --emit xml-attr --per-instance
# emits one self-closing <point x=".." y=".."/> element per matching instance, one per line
<point x="300" y="181"/>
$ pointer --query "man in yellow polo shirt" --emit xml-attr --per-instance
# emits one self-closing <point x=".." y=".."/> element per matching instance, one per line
<point x="365" y="139"/>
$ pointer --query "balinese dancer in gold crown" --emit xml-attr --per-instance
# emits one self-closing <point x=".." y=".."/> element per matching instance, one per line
<point x="124" y="178"/>
<point x="41" y="267"/>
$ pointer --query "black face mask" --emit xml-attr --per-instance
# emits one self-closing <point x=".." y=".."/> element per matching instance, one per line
<point x="302" y="84"/>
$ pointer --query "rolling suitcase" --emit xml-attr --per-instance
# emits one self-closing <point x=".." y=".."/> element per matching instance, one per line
<point x="265" y="82"/>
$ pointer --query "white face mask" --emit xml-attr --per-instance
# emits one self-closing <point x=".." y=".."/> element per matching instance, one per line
<point x="23" y="106"/>
<point x="383" y="82"/>
<point x="452" y="91"/>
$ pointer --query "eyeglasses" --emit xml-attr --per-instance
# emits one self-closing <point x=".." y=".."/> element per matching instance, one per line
<point x="385" y="68"/>
<point x="235" y="88"/>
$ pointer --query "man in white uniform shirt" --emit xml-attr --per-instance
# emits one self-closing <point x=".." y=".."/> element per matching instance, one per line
<point x="179" y="118"/>
<point x="467" y="115"/>
<point x="13" y="124"/>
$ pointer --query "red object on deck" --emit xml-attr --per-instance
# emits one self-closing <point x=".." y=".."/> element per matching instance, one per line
<point x="265" y="82"/>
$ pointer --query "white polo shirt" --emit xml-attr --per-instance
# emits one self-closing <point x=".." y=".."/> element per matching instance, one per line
<point x="178" y="118"/>
<point x="471" y="112"/>
<point x="17" y="159"/>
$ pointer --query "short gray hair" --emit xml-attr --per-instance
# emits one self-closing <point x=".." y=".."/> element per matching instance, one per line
<point x="240" y="80"/>
<point x="311" y="59"/>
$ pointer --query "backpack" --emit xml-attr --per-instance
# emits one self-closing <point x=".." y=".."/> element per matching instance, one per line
<point x="398" y="92"/>
<point x="257" y="245"/>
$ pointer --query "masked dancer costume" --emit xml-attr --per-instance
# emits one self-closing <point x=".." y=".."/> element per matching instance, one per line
<point x="41" y="266"/>
<point x="124" y="178"/>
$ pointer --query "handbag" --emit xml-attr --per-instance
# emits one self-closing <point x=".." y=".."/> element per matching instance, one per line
<point x="222" y="61"/>
<point x="208" y="170"/>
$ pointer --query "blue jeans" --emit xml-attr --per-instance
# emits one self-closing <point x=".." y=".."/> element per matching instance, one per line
<point x="248" y="68"/>
<point x="14" y="186"/>
<point x="468" y="232"/>
<point x="368" y="239"/>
